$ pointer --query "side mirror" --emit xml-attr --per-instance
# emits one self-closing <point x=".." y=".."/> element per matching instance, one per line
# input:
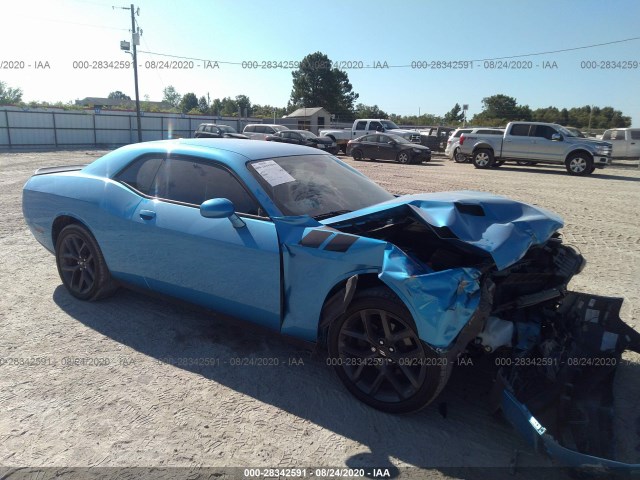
<point x="556" y="137"/>
<point x="221" y="208"/>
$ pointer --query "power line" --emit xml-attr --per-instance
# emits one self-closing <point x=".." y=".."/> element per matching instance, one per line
<point x="594" y="45"/>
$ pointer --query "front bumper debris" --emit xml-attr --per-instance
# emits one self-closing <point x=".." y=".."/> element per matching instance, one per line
<point x="561" y="398"/>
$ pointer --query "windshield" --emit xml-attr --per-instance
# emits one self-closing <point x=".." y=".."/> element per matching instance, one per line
<point x="388" y="124"/>
<point x="306" y="134"/>
<point x="316" y="185"/>
<point x="226" y="129"/>
<point x="564" y="131"/>
<point x="398" y="138"/>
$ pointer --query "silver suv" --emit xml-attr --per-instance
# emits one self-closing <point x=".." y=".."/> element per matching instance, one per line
<point x="260" y="131"/>
<point x="452" y="149"/>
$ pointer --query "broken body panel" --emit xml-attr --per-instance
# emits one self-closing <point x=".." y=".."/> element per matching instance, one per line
<point x="468" y="265"/>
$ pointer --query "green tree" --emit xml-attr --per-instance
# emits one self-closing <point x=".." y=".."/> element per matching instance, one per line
<point x="8" y="95"/>
<point x="244" y="104"/>
<point x="171" y="96"/>
<point x="188" y="102"/>
<point x="118" y="95"/>
<point x="454" y="116"/>
<point x="267" y="111"/>
<point x="316" y="84"/>
<point x="229" y="107"/>
<point x="501" y="109"/>
<point x="216" y="107"/>
<point x="203" y="106"/>
<point x="369" y="111"/>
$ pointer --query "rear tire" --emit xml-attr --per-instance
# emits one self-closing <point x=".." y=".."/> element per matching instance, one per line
<point x="483" y="158"/>
<point x="579" y="164"/>
<point x="376" y="353"/>
<point x="357" y="154"/>
<point x="458" y="157"/>
<point x="81" y="265"/>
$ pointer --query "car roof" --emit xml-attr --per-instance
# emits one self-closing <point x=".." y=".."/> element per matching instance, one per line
<point x="228" y="151"/>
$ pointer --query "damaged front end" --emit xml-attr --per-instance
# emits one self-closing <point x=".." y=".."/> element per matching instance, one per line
<point x="557" y="350"/>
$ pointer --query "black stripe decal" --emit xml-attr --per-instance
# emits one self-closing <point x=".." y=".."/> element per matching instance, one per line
<point x="315" y="238"/>
<point x="340" y="243"/>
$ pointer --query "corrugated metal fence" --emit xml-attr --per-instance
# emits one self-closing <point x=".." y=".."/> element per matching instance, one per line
<point x="55" y="128"/>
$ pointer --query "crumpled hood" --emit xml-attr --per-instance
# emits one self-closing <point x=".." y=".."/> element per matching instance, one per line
<point x="504" y="228"/>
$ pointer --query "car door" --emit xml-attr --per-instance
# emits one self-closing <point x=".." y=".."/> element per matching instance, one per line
<point x="542" y="145"/>
<point x="369" y="146"/>
<point x="517" y="144"/>
<point x="385" y="150"/>
<point x="360" y="129"/>
<point x="202" y="260"/>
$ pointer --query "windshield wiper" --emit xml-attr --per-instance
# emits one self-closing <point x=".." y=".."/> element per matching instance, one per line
<point x="331" y="214"/>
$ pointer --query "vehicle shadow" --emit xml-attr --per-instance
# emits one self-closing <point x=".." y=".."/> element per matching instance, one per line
<point x="551" y="170"/>
<point x="456" y="435"/>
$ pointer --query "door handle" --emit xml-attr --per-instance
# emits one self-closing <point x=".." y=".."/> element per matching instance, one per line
<point x="147" y="214"/>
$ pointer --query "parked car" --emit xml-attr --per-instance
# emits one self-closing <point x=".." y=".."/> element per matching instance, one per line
<point x="212" y="130"/>
<point x="528" y="142"/>
<point x="365" y="126"/>
<point x="453" y="143"/>
<point x="398" y="289"/>
<point x="384" y="146"/>
<point x="625" y="142"/>
<point x="435" y="137"/>
<point x="260" y="131"/>
<point x="304" y="137"/>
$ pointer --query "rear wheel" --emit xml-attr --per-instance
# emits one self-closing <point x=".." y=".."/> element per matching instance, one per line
<point x="579" y="164"/>
<point x="458" y="157"/>
<point x="81" y="265"/>
<point x="377" y="354"/>
<point x="483" y="158"/>
<point x="404" y="157"/>
<point x="357" y="154"/>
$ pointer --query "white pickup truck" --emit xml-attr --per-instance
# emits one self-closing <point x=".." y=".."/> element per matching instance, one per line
<point x="529" y="143"/>
<point x="364" y="126"/>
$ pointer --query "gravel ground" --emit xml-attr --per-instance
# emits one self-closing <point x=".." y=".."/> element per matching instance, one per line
<point x="139" y="401"/>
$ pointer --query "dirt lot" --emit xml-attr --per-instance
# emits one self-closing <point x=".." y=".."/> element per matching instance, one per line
<point x="131" y="396"/>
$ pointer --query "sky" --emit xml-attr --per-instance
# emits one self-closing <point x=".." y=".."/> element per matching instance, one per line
<point x="47" y="45"/>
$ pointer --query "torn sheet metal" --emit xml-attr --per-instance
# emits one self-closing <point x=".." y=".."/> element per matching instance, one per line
<point x="504" y="228"/>
<point x="316" y="258"/>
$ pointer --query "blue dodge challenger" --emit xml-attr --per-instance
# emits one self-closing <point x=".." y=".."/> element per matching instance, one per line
<point x="397" y="289"/>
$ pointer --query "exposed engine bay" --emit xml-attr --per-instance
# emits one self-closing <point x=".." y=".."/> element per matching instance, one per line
<point x="557" y="350"/>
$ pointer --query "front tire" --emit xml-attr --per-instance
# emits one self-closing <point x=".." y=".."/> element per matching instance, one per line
<point x="483" y="158"/>
<point x="378" y="356"/>
<point x="579" y="164"/>
<point x="357" y="154"/>
<point x="81" y="265"/>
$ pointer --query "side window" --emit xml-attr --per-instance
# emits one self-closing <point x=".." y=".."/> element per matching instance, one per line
<point x="543" y="131"/>
<point x="260" y="129"/>
<point x="140" y="174"/>
<point x="369" y="138"/>
<point x="361" y="125"/>
<point x="286" y="135"/>
<point x="375" y="126"/>
<point x="520" y="130"/>
<point x="269" y="130"/>
<point x="250" y="128"/>
<point x="607" y="135"/>
<point x="186" y="181"/>
<point x="635" y="134"/>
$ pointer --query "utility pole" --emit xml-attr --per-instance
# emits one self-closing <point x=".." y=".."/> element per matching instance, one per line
<point x="135" y="40"/>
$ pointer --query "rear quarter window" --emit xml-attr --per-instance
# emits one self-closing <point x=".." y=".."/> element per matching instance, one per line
<point x="635" y="134"/>
<point x="519" y="130"/>
<point x="141" y="173"/>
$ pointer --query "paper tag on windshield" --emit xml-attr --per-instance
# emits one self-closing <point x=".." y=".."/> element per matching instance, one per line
<point x="273" y="173"/>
